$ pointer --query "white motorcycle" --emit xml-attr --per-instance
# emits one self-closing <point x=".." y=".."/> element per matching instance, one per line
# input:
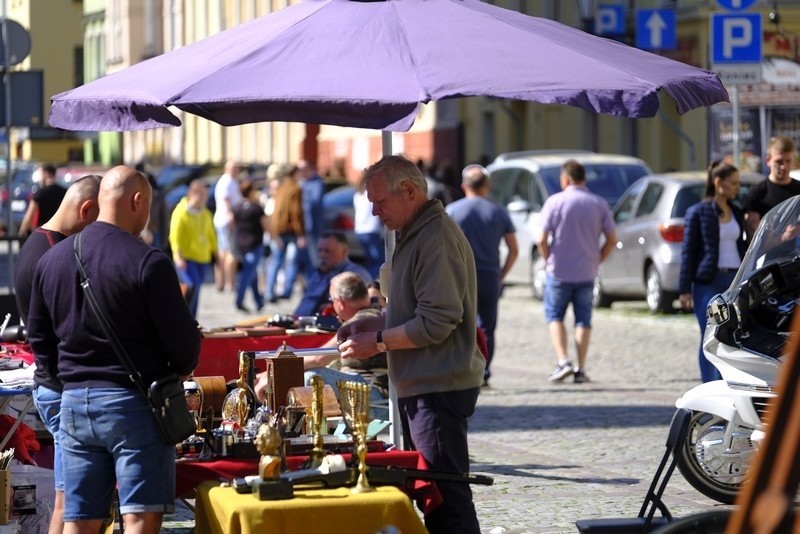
<point x="747" y="329"/>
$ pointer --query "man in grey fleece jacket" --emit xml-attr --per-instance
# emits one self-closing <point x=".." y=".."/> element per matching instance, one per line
<point x="429" y="332"/>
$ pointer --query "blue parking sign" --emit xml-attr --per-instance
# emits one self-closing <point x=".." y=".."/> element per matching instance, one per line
<point x="656" y="29"/>
<point x="610" y="19"/>
<point x="736" y="38"/>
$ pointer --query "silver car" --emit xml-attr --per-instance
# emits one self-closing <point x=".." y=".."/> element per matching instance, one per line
<point x="522" y="181"/>
<point x="649" y="217"/>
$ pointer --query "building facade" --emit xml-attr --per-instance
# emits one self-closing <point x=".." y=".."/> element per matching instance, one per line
<point x="114" y="34"/>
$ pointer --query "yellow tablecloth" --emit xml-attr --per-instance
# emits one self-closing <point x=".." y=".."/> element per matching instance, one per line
<point x="327" y="511"/>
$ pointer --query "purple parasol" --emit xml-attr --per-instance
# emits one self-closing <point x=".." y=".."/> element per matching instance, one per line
<point x="369" y="65"/>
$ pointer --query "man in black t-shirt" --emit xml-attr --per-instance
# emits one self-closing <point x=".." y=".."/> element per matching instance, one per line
<point x="778" y="186"/>
<point x="78" y="209"/>
<point x="45" y="201"/>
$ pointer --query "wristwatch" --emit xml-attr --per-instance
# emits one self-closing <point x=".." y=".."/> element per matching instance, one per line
<point x="381" y="344"/>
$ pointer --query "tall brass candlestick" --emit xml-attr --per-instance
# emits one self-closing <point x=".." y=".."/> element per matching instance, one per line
<point x="317" y="420"/>
<point x="354" y="400"/>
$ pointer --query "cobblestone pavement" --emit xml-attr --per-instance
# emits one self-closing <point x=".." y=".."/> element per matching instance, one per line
<point x="561" y="452"/>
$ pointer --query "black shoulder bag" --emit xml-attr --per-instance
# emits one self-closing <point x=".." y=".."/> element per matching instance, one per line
<point x="165" y="395"/>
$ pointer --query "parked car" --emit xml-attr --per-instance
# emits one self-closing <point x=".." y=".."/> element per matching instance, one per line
<point x="67" y="174"/>
<point x="18" y="195"/>
<point x="338" y="214"/>
<point x="649" y="217"/>
<point x="522" y="181"/>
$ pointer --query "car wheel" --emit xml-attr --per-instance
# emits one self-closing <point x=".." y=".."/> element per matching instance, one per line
<point x="538" y="275"/>
<point x="658" y="300"/>
<point x="599" y="298"/>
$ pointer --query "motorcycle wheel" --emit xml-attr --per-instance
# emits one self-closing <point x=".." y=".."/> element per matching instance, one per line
<point x="706" y="463"/>
<point x="713" y="522"/>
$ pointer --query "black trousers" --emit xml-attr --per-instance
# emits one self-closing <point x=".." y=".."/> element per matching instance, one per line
<point x="435" y="425"/>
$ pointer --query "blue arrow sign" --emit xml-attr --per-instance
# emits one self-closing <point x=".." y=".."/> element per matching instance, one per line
<point x="656" y="29"/>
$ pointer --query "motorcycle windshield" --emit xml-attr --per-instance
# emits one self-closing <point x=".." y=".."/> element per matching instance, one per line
<point x="776" y="240"/>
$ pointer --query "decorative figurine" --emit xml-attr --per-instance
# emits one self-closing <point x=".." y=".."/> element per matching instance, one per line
<point x="269" y="443"/>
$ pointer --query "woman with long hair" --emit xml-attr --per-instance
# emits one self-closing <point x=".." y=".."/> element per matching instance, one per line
<point x="713" y="248"/>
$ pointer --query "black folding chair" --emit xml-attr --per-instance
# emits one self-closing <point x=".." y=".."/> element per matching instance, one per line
<point x="647" y="521"/>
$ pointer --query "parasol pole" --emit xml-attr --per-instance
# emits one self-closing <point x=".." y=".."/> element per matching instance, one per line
<point x="7" y="106"/>
<point x="396" y="432"/>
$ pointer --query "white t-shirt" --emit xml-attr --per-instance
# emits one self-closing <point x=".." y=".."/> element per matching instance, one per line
<point x="365" y="222"/>
<point x="226" y="188"/>
<point x="728" y="251"/>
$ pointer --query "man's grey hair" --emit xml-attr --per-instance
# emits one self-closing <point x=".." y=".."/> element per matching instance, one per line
<point x="349" y="286"/>
<point x="396" y="170"/>
<point x="474" y="176"/>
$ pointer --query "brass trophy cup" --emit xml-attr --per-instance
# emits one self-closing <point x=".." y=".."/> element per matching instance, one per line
<point x="317" y="421"/>
<point x="354" y="400"/>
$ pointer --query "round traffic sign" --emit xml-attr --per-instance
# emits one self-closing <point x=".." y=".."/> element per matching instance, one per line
<point x="736" y="5"/>
<point x="19" y="43"/>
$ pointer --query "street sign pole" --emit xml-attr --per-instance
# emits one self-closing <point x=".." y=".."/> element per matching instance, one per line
<point x="735" y="126"/>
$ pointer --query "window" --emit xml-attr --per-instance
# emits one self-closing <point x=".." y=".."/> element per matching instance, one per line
<point x="502" y="182"/>
<point x="625" y="205"/>
<point x="78" y="61"/>
<point x="650" y="199"/>
<point x="687" y="197"/>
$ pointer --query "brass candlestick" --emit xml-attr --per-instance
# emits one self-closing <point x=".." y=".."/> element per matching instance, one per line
<point x="317" y="420"/>
<point x="354" y="400"/>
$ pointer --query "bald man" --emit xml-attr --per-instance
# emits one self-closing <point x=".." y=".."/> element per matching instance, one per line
<point x="108" y="434"/>
<point x="77" y="209"/>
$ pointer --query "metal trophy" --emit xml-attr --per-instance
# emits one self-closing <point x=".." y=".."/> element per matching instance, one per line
<point x="236" y="407"/>
<point x="194" y="401"/>
<point x="354" y="400"/>
<point x="317" y="420"/>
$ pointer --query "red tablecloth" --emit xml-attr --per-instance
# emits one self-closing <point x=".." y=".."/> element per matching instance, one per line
<point x="220" y="356"/>
<point x="191" y="473"/>
<point x="20" y="351"/>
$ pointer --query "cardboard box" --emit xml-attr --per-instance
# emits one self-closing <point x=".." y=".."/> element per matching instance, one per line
<point x="33" y="491"/>
<point x="5" y="496"/>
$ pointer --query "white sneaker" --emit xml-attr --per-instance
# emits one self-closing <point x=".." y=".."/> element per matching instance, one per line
<point x="561" y="372"/>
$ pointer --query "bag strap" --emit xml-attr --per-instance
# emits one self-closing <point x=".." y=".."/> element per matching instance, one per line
<point x="119" y="350"/>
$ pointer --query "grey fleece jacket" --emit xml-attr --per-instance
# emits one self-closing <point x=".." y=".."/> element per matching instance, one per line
<point x="433" y="292"/>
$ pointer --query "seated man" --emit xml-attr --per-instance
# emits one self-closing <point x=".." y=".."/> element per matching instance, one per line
<point x="350" y="299"/>
<point x="332" y="248"/>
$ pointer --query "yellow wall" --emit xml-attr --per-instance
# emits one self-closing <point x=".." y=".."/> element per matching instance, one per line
<point x="56" y="32"/>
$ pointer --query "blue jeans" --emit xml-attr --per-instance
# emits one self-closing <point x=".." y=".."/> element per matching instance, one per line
<point x="194" y="275"/>
<point x="558" y="295"/>
<point x="701" y="295"/>
<point x="109" y="437"/>
<point x="488" y="297"/>
<point x="248" y="277"/>
<point x="374" y="252"/>
<point x="279" y="255"/>
<point x="48" y="404"/>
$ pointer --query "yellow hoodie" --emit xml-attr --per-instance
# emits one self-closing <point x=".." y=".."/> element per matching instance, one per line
<point x="192" y="235"/>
